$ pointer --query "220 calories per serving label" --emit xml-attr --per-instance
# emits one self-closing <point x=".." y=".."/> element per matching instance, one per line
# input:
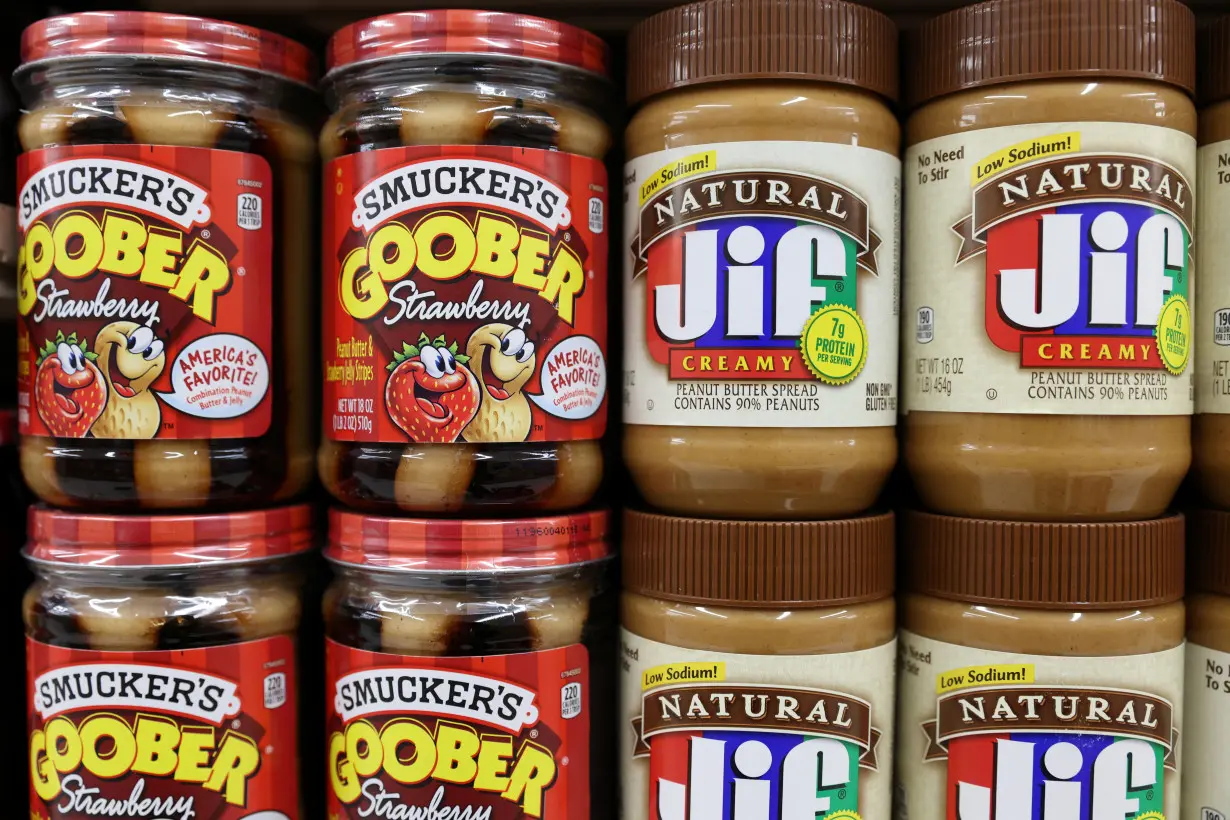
<point x="1048" y="269"/>
<point x="180" y="735"/>
<point x="761" y="286"/>
<point x="503" y="737"/>
<point x="144" y="292"/>
<point x="465" y="295"/>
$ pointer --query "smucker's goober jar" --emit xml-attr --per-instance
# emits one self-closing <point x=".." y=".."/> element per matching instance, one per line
<point x="162" y="673"/>
<point x="164" y="209"/>
<point x="1041" y="670"/>
<point x="757" y="666"/>
<point x="1048" y="264"/>
<point x="1211" y="426"/>
<point x="465" y="259"/>
<point x="762" y="199"/>
<point x="470" y="668"/>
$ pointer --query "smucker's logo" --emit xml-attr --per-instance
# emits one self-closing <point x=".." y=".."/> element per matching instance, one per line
<point x="1095" y="753"/>
<point x="381" y="747"/>
<point x="734" y="751"/>
<point x="738" y="264"/>
<point x="104" y="723"/>
<point x="1088" y="261"/>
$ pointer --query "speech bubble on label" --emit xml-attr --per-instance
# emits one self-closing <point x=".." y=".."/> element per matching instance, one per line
<point x="573" y="379"/>
<point x="220" y="376"/>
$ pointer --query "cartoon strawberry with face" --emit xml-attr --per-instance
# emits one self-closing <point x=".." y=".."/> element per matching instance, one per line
<point x="68" y="387"/>
<point x="431" y="395"/>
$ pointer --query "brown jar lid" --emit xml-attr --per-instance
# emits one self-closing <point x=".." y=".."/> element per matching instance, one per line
<point x="713" y="41"/>
<point x="1034" y="565"/>
<point x="759" y="563"/>
<point x="1208" y="538"/>
<point x="1214" y="74"/>
<point x="1004" y="41"/>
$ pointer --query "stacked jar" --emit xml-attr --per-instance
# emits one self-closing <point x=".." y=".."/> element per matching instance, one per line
<point x="164" y="410"/>
<point x="761" y="240"/>
<point x="1050" y="196"/>
<point x="469" y="656"/>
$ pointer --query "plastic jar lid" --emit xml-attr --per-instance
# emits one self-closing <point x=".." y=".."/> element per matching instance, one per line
<point x="1004" y="41"/>
<point x="759" y="563"/>
<point x="730" y="40"/>
<point x="167" y="541"/>
<point x="1208" y="533"/>
<point x="1045" y="566"/>
<point x="1214" y="73"/>
<point x="150" y="34"/>
<point x="436" y="545"/>
<point x="464" y="32"/>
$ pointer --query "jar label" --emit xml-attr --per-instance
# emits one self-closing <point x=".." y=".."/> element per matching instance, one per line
<point x="761" y="286"/>
<point x="1048" y="270"/>
<point x="1206" y="756"/>
<point x="178" y="734"/>
<point x="755" y="737"/>
<point x="502" y="736"/>
<point x="1213" y="329"/>
<point x="144" y="292"/>
<point x="465" y="295"/>
<point x="1003" y="736"/>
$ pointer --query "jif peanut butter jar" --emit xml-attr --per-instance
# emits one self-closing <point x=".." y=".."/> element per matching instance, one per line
<point x="757" y="669"/>
<point x="1048" y="266"/>
<point x="1041" y="670"/>
<point x="1206" y="754"/>
<point x="1211" y="426"/>
<point x="761" y="218"/>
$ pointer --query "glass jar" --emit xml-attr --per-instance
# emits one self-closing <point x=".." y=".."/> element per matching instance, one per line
<point x="738" y="169"/>
<point x="165" y="314"/>
<point x="465" y="270"/>
<point x="702" y="596"/>
<point x="523" y="608"/>
<point x="1071" y="637"/>
<point x="141" y="630"/>
<point x="1058" y="392"/>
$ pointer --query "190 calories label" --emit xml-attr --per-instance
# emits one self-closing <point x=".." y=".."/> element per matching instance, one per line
<point x="761" y="286"/>
<point x="1048" y="269"/>
<point x="465" y="295"/>
<point x="144" y="282"/>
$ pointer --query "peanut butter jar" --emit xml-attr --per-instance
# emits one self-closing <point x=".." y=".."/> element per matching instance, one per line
<point x="1205" y="787"/>
<point x="1048" y="272"/>
<point x="1041" y="654"/>
<point x="1211" y="426"/>
<point x="757" y="668"/>
<point x="762" y="192"/>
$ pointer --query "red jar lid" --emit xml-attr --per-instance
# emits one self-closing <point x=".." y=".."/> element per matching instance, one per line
<point x="433" y="545"/>
<point x="164" y="541"/>
<point x="148" y="34"/>
<point x="460" y="31"/>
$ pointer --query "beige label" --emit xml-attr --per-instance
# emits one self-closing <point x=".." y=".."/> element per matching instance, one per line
<point x="1206" y="741"/>
<point x="974" y="724"/>
<point x="814" y="731"/>
<point x="1049" y="269"/>
<point x="1213" y="321"/>
<point x="761" y="286"/>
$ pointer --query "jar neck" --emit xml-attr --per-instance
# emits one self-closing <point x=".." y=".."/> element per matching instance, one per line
<point x="508" y="581"/>
<point x="487" y="75"/>
<point x="146" y="577"/>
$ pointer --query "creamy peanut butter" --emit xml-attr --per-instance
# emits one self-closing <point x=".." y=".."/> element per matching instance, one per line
<point x="1071" y="676"/>
<point x="761" y="279"/>
<point x="757" y="659"/>
<point x="1048" y="269"/>
<point x="1211" y="425"/>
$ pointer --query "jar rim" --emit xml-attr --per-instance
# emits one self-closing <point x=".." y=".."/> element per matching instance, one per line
<point x="150" y="36"/>
<point x="451" y="545"/>
<point x="68" y="539"/>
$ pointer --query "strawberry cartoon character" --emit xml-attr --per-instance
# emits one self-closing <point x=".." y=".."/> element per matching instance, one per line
<point x="68" y="387"/>
<point x="430" y="394"/>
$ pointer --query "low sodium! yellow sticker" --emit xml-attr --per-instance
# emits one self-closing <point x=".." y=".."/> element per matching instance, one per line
<point x="1174" y="334"/>
<point x="834" y="344"/>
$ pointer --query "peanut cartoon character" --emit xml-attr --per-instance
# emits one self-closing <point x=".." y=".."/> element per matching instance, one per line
<point x="130" y="359"/>
<point x="502" y="360"/>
